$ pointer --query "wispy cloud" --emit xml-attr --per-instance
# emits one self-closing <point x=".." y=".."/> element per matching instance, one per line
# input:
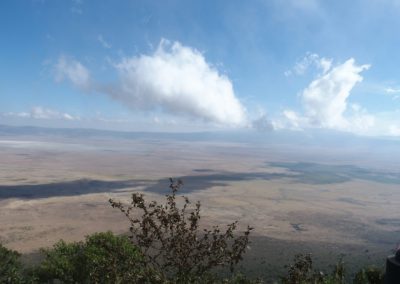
<point x="310" y="60"/>
<point x="394" y="130"/>
<point x="103" y="42"/>
<point x="74" y="71"/>
<point x="39" y="112"/>
<point x="76" y="7"/>
<point x="393" y="92"/>
<point x="263" y="123"/>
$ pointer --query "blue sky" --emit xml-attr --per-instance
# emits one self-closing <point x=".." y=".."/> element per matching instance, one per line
<point x="202" y="65"/>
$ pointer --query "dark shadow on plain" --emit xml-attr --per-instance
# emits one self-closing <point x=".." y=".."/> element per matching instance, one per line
<point x="86" y="186"/>
<point x="204" y="171"/>
<point x="309" y="173"/>
<point x="193" y="183"/>
<point x="68" y="188"/>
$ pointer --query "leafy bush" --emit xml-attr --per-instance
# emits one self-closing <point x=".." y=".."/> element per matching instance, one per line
<point x="10" y="266"/>
<point x="112" y="259"/>
<point x="302" y="272"/>
<point x="171" y="242"/>
<point x="62" y="262"/>
<point x="369" y="275"/>
<point x="102" y="258"/>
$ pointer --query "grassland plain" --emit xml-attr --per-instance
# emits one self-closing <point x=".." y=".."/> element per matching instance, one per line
<point x="327" y="203"/>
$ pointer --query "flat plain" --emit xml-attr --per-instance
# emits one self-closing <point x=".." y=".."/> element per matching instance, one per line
<point x="341" y="201"/>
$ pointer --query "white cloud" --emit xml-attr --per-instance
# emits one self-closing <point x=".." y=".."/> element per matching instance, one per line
<point x="394" y="130"/>
<point x="16" y="114"/>
<point x="46" y="113"/>
<point x="38" y="112"/>
<point x="325" y="101"/>
<point x="177" y="80"/>
<point x="393" y="92"/>
<point x="174" y="79"/>
<point x="103" y="42"/>
<point x="263" y="123"/>
<point x="309" y="60"/>
<point x="360" y="121"/>
<point x="324" y="64"/>
<point x="68" y="68"/>
<point x="296" y="121"/>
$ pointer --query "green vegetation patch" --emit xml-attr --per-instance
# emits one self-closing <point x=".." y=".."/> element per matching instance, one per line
<point x="314" y="173"/>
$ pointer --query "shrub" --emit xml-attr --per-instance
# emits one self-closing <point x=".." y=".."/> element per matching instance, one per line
<point x="112" y="259"/>
<point x="10" y="266"/>
<point x="171" y="242"/>
<point x="102" y="258"/>
<point x="302" y="272"/>
<point x="369" y="275"/>
<point x="62" y="262"/>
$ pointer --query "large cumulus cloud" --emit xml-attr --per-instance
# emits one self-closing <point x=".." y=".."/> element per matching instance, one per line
<point x="174" y="79"/>
<point x="177" y="79"/>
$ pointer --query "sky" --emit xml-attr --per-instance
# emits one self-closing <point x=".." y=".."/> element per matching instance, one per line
<point x="259" y="65"/>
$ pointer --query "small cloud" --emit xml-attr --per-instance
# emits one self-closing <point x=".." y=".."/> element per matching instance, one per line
<point x="16" y="114"/>
<point x="394" y="130"/>
<point x="263" y="123"/>
<point x="295" y="121"/>
<point x="77" y="7"/>
<point x="103" y="42"/>
<point x="163" y="121"/>
<point x="38" y="112"/>
<point x="68" y="68"/>
<point x="287" y="73"/>
<point x="156" y="120"/>
<point x="309" y="60"/>
<point x="69" y="117"/>
<point x="46" y="113"/>
<point x="393" y="92"/>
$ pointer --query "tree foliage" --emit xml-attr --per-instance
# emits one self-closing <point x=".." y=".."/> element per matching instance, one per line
<point x="10" y="266"/>
<point x="171" y="242"/>
<point x="102" y="258"/>
<point x="369" y="275"/>
<point x="302" y="272"/>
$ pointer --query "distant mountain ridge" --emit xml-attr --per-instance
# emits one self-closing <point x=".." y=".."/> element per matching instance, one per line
<point x="324" y="138"/>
